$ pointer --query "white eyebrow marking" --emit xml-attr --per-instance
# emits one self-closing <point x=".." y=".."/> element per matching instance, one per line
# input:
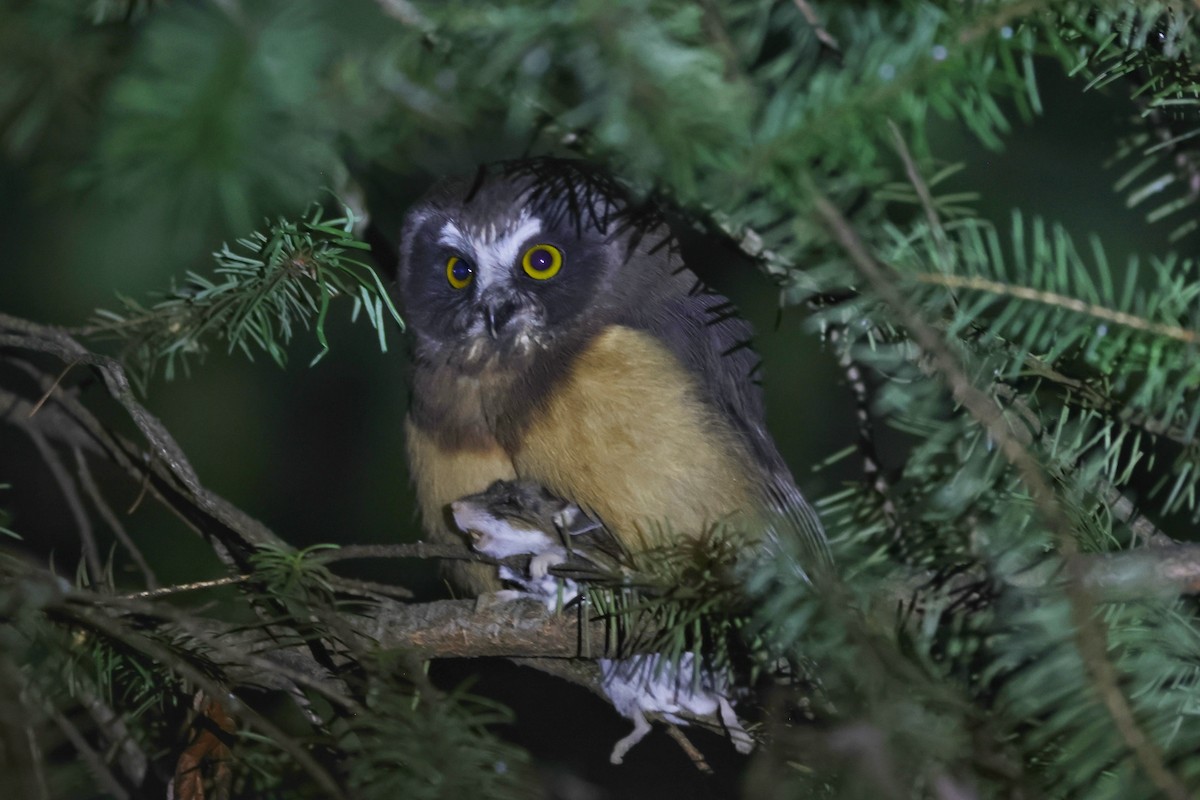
<point x="452" y="236"/>
<point x="491" y="248"/>
<point x="496" y="249"/>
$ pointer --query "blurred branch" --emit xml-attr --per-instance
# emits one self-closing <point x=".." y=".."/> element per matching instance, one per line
<point x="1090" y="635"/>
<point x="110" y="518"/>
<point x="130" y="755"/>
<point x="810" y="16"/>
<point x="70" y="494"/>
<point x="872" y="465"/>
<point x="64" y="420"/>
<point x="24" y="773"/>
<point x="1142" y="573"/>
<point x="1087" y="395"/>
<point x="94" y="619"/>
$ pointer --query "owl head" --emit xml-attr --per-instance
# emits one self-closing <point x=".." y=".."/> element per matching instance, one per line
<point x="520" y="256"/>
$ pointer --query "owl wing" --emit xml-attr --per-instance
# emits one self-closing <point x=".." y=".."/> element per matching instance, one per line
<point x="703" y="329"/>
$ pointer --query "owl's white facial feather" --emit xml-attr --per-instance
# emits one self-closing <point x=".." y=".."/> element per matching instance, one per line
<point x="493" y="249"/>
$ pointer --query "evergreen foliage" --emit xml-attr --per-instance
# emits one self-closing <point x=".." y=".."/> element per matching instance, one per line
<point x="269" y="284"/>
<point x="985" y="631"/>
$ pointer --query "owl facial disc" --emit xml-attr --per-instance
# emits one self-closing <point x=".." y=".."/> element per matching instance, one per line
<point x="511" y="264"/>
<point x="498" y="307"/>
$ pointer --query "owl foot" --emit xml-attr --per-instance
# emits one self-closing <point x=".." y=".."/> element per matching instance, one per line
<point x="539" y="565"/>
<point x="641" y="727"/>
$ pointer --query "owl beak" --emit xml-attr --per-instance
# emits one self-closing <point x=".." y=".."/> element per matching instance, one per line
<point x="497" y="311"/>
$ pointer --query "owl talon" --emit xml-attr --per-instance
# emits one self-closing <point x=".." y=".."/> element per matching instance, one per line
<point x="539" y="565"/>
<point x="573" y="521"/>
<point x="641" y="727"/>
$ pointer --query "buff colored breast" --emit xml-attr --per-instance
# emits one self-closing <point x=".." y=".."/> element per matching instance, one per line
<point x="627" y="435"/>
<point x="444" y="474"/>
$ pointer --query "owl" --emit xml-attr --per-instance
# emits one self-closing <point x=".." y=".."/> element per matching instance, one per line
<point x="558" y="338"/>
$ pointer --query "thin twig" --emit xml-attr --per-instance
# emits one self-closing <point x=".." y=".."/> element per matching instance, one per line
<point x="981" y="284"/>
<point x="144" y="484"/>
<point x="810" y="16"/>
<point x="178" y="588"/>
<point x="690" y="749"/>
<point x="100" y="771"/>
<point x="369" y="588"/>
<point x="106" y="513"/>
<point x="923" y="194"/>
<point x="50" y="390"/>
<point x="83" y="523"/>
<point x="871" y="465"/>
<point x="410" y="550"/>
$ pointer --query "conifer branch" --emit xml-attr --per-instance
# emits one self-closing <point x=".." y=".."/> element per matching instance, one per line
<point x="1088" y="395"/>
<point x="1088" y="631"/>
<point x="268" y="284"/>
<point x="163" y="463"/>
<point x="131" y="756"/>
<point x="119" y="632"/>
<point x="977" y="283"/>
<point x="872" y="466"/>
<point x="1140" y="574"/>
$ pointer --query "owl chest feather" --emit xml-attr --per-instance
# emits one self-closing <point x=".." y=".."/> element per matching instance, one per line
<point x="451" y="454"/>
<point x="621" y="429"/>
<point x="627" y="434"/>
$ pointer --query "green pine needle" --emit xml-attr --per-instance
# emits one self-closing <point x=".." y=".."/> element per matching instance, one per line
<point x="266" y="286"/>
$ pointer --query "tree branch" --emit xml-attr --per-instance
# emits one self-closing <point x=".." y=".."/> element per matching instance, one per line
<point x="1090" y="636"/>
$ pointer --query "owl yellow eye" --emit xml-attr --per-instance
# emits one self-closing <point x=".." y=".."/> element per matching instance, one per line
<point x="542" y="261"/>
<point x="459" y="272"/>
